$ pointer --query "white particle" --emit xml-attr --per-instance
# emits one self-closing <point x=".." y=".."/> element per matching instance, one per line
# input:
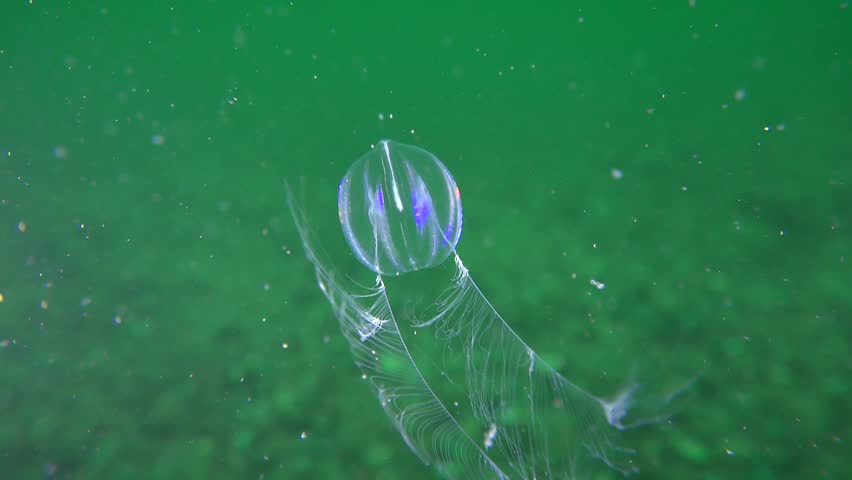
<point x="158" y="139"/>
<point x="488" y="441"/>
<point x="740" y="94"/>
<point x="304" y="435"/>
<point x="597" y="284"/>
<point x="616" y="174"/>
<point x="60" y="152"/>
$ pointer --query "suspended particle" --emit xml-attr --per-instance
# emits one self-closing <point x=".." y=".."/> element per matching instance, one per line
<point x="488" y="440"/>
<point x="60" y="151"/>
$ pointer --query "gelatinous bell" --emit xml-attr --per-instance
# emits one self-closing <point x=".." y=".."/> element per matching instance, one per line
<point x="400" y="209"/>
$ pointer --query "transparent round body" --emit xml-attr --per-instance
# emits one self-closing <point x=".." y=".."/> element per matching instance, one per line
<point x="400" y="209"/>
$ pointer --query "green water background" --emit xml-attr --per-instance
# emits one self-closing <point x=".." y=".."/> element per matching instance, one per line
<point x="151" y="276"/>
